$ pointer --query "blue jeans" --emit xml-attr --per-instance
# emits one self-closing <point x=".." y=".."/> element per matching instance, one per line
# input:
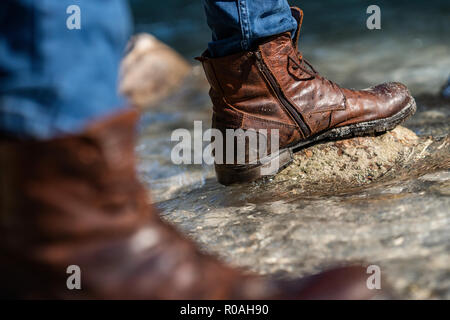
<point x="237" y="24"/>
<point x="53" y="80"/>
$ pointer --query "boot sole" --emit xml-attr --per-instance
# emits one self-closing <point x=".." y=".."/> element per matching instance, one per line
<point x="230" y="174"/>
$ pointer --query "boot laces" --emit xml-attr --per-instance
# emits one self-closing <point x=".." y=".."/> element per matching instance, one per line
<point x="304" y="64"/>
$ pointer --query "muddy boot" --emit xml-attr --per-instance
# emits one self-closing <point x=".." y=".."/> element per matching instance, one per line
<point x="274" y="87"/>
<point x="76" y="201"/>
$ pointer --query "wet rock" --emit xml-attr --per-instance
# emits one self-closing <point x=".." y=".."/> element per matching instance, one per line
<point x="357" y="160"/>
<point x="151" y="71"/>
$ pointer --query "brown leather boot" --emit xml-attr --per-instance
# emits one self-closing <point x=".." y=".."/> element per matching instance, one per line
<point x="76" y="201"/>
<point x="274" y="87"/>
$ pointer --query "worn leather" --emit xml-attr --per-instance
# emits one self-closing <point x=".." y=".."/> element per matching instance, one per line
<point x="244" y="98"/>
<point x="76" y="200"/>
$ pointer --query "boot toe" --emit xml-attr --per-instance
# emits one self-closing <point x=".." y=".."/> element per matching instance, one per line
<point x="396" y="97"/>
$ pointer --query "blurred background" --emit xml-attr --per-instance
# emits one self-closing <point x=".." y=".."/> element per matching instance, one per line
<point x="413" y="45"/>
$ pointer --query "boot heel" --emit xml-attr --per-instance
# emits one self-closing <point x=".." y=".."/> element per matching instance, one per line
<point x="243" y="173"/>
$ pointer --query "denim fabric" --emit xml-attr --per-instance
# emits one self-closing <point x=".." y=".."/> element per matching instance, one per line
<point x="54" y="80"/>
<point x="237" y="24"/>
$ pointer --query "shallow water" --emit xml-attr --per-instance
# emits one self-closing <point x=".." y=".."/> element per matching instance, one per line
<point x="288" y="227"/>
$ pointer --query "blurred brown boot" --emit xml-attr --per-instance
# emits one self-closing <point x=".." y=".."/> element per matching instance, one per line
<point x="274" y="87"/>
<point x="76" y="201"/>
